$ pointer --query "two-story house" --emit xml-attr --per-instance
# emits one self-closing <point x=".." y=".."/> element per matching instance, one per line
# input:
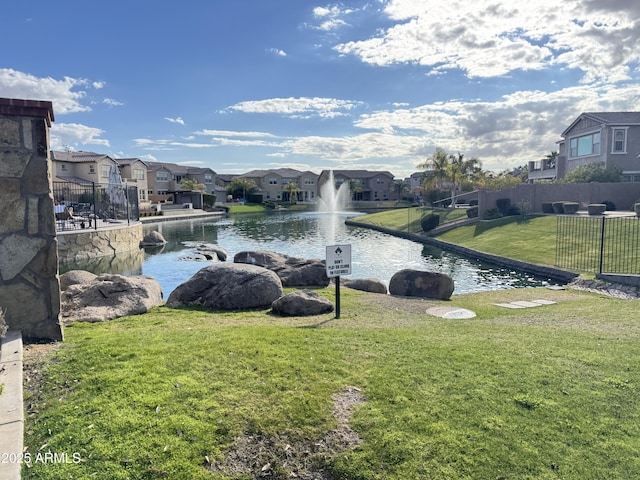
<point x="608" y="138"/>
<point x="272" y="184"/>
<point x="134" y="170"/>
<point x="366" y="185"/>
<point x="81" y="167"/>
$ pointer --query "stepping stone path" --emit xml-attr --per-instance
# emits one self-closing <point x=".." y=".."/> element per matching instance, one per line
<point x="525" y="304"/>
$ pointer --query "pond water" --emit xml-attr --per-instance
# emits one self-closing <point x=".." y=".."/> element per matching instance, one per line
<point x="306" y="235"/>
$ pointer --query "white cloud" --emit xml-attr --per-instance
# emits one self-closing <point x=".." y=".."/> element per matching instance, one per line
<point x="112" y="102"/>
<point x="488" y="38"/>
<point x="175" y="120"/>
<point x="64" y="94"/>
<point x="75" y="135"/>
<point x="98" y="85"/>
<point x="278" y="52"/>
<point x="517" y="128"/>
<point x="331" y="17"/>
<point x="230" y="133"/>
<point x="297" y="107"/>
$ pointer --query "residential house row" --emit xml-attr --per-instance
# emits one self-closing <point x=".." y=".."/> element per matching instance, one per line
<point x="607" y="138"/>
<point x="157" y="181"/>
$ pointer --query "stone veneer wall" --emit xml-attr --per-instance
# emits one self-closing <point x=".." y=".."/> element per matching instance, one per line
<point x="29" y="284"/>
<point x="80" y="245"/>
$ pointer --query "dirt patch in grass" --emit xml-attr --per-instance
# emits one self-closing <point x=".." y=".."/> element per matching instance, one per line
<point x="288" y="456"/>
<point x="35" y="358"/>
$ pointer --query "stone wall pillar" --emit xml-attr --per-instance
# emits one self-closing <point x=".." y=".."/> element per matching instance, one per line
<point x="29" y="284"/>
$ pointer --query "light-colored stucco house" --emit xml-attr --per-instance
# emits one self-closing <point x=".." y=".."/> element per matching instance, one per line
<point x="164" y="178"/>
<point x="81" y="167"/>
<point x="272" y="184"/>
<point x="608" y="138"/>
<point x="368" y="186"/>
<point x="134" y="171"/>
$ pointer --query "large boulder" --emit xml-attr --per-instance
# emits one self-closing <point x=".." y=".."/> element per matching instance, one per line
<point x="153" y="239"/>
<point x="301" y="303"/>
<point x="226" y="286"/>
<point x="372" y="285"/>
<point x="417" y="283"/>
<point x="75" y="277"/>
<point x="294" y="272"/>
<point x="210" y="251"/>
<point x="107" y="297"/>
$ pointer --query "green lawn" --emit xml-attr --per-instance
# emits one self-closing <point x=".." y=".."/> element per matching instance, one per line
<point x="408" y="219"/>
<point x="542" y="393"/>
<point x="533" y="241"/>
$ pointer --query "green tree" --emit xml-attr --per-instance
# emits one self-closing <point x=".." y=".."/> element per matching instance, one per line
<point x="438" y="164"/>
<point x="241" y="187"/>
<point x="355" y="187"/>
<point x="460" y="170"/>
<point x="192" y="185"/>
<point x="594" y="173"/>
<point x="292" y="189"/>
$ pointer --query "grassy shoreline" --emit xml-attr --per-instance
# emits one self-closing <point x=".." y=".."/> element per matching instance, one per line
<point x="540" y="393"/>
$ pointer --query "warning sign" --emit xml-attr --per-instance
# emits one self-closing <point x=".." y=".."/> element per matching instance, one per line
<point x="338" y="260"/>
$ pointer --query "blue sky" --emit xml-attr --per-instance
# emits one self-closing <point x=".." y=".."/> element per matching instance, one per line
<point x="237" y="85"/>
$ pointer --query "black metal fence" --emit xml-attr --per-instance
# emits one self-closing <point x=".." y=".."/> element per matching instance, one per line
<point x="94" y="205"/>
<point x="599" y="244"/>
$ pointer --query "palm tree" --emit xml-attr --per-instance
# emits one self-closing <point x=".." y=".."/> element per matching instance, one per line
<point x="241" y="187"/>
<point x="292" y="189"/>
<point x="439" y="163"/>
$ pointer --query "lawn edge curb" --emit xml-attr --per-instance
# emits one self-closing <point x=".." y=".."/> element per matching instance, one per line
<point x="11" y="406"/>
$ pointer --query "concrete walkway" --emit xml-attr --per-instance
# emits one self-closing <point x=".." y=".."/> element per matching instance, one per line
<point x="11" y="406"/>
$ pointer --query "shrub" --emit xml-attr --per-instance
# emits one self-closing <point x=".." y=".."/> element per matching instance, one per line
<point x="547" y="207"/>
<point x="472" y="212"/>
<point x="503" y="205"/>
<point x="558" y="207"/>
<point x="570" y="207"/>
<point x="514" y="210"/>
<point x="492" y="214"/>
<point x="596" y="208"/>
<point x="429" y="222"/>
<point x="611" y="207"/>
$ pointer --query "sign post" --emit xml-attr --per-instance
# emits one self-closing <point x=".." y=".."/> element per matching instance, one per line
<point x="338" y="263"/>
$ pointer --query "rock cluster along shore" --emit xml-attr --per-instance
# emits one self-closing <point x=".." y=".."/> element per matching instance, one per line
<point x="616" y="290"/>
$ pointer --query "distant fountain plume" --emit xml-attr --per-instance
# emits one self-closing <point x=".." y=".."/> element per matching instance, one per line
<point x="333" y="199"/>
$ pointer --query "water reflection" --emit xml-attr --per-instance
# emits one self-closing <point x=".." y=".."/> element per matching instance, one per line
<point x="125" y="263"/>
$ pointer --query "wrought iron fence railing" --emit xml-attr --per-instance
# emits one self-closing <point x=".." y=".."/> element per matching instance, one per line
<point x="94" y="205"/>
<point x="599" y="244"/>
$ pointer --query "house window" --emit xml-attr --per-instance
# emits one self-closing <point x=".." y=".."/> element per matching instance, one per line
<point x="105" y="171"/>
<point x="208" y="178"/>
<point x="92" y="169"/>
<point x="142" y="195"/>
<point x="138" y="174"/>
<point x="63" y="167"/>
<point x="586" y="145"/>
<point x="619" y="140"/>
<point x="379" y="180"/>
<point x="162" y="176"/>
<point x="309" y="181"/>
<point x="273" y="181"/>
